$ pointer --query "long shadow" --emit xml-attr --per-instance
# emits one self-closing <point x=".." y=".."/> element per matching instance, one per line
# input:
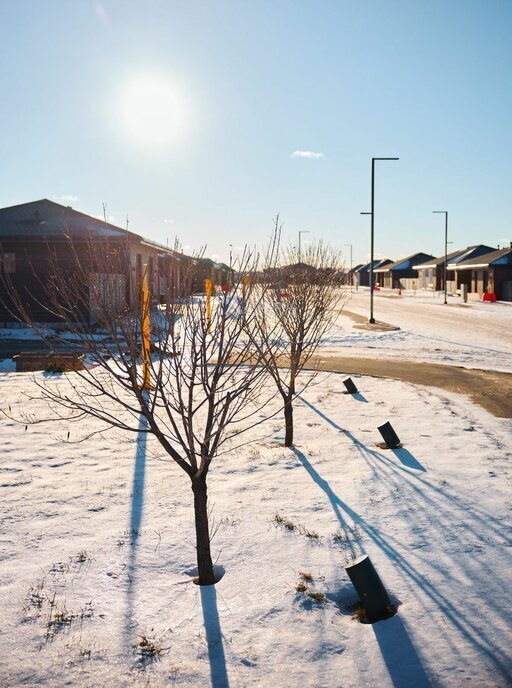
<point x="218" y="671"/>
<point x="405" y="456"/>
<point x="422" y="488"/>
<point x="135" y="521"/>
<point x="399" y="654"/>
<point x="468" y="625"/>
<point x="360" y="397"/>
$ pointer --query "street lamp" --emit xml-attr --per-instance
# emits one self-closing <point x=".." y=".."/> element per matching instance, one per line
<point x="372" y="213"/>
<point x="230" y="256"/>
<point x="302" y="231"/>
<point x="445" y="213"/>
<point x="351" y="276"/>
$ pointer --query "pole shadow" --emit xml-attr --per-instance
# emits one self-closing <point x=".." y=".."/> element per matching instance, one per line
<point x="399" y="654"/>
<point x="405" y="456"/>
<point x="216" y="656"/>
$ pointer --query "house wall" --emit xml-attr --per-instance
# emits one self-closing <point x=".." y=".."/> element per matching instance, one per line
<point x="502" y="282"/>
<point x="34" y="264"/>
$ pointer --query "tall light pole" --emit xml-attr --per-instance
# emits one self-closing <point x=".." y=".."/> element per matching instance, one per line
<point x="445" y="213"/>
<point x="372" y="213"/>
<point x="230" y="256"/>
<point x="351" y="275"/>
<point x="302" y="231"/>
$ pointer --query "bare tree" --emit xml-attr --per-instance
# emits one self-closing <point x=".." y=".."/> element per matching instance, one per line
<point x="300" y="303"/>
<point x="199" y="383"/>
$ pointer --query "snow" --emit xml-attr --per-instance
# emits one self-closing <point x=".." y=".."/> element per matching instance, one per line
<point x="475" y="335"/>
<point x="103" y="530"/>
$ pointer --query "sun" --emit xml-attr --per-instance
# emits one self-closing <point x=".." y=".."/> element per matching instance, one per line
<point x="153" y="111"/>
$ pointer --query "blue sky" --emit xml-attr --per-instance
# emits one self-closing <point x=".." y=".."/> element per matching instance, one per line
<point x="88" y="89"/>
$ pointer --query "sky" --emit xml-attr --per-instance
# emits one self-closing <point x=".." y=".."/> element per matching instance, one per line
<point x="205" y="119"/>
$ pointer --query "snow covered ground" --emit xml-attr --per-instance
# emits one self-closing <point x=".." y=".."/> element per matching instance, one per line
<point x="97" y="551"/>
<point x="475" y="335"/>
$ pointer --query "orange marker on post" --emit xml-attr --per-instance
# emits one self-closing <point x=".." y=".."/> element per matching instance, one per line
<point x="208" y="288"/>
<point x="146" y="331"/>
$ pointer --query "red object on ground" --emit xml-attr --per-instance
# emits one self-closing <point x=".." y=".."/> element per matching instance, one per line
<point x="399" y="292"/>
<point x="376" y="288"/>
<point x="490" y="297"/>
<point x="225" y="288"/>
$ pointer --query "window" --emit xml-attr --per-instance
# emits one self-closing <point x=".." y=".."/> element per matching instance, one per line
<point x="7" y="263"/>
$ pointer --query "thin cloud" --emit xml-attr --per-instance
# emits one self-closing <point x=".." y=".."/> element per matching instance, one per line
<point x="312" y="155"/>
<point x="168" y="222"/>
<point x="101" y="12"/>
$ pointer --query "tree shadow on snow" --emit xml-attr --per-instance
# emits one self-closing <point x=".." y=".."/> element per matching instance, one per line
<point x="440" y="513"/>
<point x="218" y="671"/>
<point x="135" y="521"/>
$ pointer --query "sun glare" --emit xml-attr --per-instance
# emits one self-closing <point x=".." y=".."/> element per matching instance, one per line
<point x="153" y="111"/>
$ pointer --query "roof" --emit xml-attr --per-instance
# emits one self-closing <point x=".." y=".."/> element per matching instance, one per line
<point x="379" y="262"/>
<point x="45" y="219"/>
<point x="439" y="261"/>
<point x="470" y="253"/>
<point x="405" y="263"/>
<point x="499" y="257"/>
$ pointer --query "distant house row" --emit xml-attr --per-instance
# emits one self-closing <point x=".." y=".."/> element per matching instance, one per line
<point x="482" y="269"/>
<point x="38" y="237"/>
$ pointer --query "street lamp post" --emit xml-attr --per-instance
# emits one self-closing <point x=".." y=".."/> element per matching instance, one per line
<point x="351" y="275"/>
<point x="445" y="213"/>
<point x="372" y="213"/>
<point x="230" y="256"/>
<point x="302" y="231"/>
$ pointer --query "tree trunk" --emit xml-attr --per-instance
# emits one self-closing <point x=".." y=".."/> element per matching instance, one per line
<point x="288" y="419"/>
<point x="204" y="557"/>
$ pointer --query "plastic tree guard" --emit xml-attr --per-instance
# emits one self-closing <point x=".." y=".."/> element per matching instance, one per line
<point x="389" y="436"/>
<point x="350" y="386"/>
<point x="369" y="587"/>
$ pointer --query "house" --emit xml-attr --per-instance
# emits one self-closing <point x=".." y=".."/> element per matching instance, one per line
<point x="431" y="272"/>
<point x="470" y="253"/>
<point x="401" y="274"/>
<point x="488" y="273"/>
<point x="42" y="238"/>
<point x="351" y="275"/>
<point x="362" y="273"/>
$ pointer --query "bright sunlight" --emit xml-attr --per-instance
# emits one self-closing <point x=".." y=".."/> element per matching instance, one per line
<point x="153" y="111"/>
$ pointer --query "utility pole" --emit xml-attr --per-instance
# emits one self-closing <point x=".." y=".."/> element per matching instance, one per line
<point x="445" y="213"/>
<point x="302" y="231"/>
<point x="351" y="275"/>
<point x="371" y="319"/>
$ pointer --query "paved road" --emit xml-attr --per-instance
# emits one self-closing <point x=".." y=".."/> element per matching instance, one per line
<point x="483" y="326"/>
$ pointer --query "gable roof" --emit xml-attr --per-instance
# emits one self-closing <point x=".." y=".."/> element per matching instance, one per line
<point x="45" y="219"/>
<point x="379" y="262"/>
<point x="502" y="256"/>
<point x="470" y="253"/>
<point x="405" y="263"/>
<point x="440" y="261"/>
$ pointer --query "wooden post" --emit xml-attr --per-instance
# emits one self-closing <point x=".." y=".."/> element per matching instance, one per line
<point x="208" y="288"/>
<point x="146" y="331"/>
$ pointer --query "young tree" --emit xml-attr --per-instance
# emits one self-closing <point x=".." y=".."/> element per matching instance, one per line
<point x="302" y="299"/>
<point x="198" y="387"/>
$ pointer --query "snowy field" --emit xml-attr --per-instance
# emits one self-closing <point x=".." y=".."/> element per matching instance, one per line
<point x="474" y="335"/>
<point x="97" y="551"/>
